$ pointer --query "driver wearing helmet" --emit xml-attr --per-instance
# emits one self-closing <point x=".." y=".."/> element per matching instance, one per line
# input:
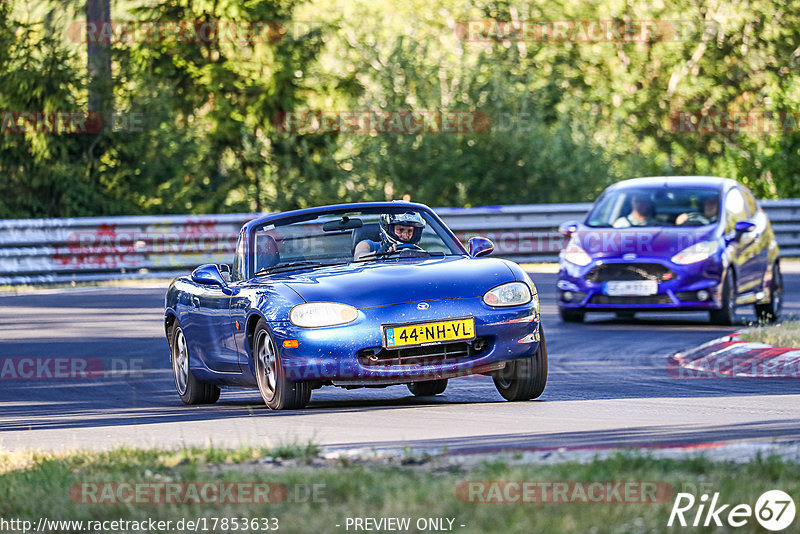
<point x="398" y="231"/>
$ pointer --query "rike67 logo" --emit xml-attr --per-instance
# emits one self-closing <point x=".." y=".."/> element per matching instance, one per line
<point x="774" y="510"/>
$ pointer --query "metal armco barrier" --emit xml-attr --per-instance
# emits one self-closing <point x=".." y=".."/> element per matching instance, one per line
<point x="105" y="248"/>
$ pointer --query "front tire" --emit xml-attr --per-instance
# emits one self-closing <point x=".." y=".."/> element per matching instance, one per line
<point x="771" y="311"/>
<point x="524" y="378"/>
<point x="726" y="315"/>
<point x="428" y="388"/>
<point x="278" y="392"/>
<point x="190" y="389"/>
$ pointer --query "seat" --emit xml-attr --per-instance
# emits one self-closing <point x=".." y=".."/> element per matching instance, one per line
<point x="267" y="252"/>
<point x="371" y="231"/>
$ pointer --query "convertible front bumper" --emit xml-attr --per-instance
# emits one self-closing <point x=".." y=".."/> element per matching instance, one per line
<point x="354" y="354"/>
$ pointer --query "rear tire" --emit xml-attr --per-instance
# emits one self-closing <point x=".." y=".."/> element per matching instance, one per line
<point x="525" y="378"/>
<point x="190" y="389"/>
<point x="726" y="315"/>
<point x="278" y="392"/>
<point x="572" y="316"/>
<point x="771" y="311"/>
<point x="428" y="388"/>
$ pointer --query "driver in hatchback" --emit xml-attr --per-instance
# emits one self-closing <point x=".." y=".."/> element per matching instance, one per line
<point x="398" y="231"/>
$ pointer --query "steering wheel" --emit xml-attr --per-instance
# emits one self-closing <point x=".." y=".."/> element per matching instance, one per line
<point x="407" y="250"/>
<point x="695" y="219"/>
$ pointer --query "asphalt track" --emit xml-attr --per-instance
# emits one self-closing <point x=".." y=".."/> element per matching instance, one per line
<point x="608" y="387"/>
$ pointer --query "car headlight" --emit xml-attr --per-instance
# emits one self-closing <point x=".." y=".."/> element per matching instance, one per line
<point x="317" y="314"/>
<point x="697" y="252"/>
<point x="510" y="294"/>
<point x="575" y="254"/>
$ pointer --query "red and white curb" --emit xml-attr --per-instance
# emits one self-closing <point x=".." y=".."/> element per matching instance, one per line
<point x="731" y="357"/>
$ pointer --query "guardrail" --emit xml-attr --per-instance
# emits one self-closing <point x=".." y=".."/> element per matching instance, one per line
<point x="103" y="248"/>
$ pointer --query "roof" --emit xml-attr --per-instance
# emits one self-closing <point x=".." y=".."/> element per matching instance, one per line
<point x="676" y="181"/>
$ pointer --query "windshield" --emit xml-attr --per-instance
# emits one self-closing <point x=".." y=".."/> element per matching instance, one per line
<point x="340" y="238"/>
<point x="655" y="206"/>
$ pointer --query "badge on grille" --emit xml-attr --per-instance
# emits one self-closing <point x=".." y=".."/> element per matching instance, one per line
<point x="423" y="306"/>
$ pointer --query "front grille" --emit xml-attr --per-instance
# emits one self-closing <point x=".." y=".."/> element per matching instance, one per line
<point x="650" y="299"/>
<point x="687" y="295"/>
<point x="614" y="272"/>
<point x="429" y="355"/>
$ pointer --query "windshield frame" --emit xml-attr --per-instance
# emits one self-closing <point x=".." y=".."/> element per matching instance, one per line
<point x="447" y="236"/>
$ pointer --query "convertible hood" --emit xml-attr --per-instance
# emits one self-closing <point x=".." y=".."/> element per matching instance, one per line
<point x="375" y="283"/>
<point x="616" y="242"/>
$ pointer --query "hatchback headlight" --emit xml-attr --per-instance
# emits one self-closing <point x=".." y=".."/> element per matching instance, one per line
<point x="575" y="254"/>
<point x="317" y="314"/>
<point x="697" y="252"/>
<point x="510" y="294"/>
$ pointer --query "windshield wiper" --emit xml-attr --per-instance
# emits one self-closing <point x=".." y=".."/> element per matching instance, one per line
<point x="293" y="265"/>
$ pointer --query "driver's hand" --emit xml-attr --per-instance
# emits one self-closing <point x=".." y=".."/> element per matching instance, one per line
<point x="682" y="218"/>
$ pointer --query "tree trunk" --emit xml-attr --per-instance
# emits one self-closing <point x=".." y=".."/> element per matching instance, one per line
<point x="98" y="12"/>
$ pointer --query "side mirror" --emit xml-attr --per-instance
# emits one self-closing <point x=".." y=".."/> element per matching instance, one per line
<point x="742" y="227"/>
<point x="209" y="275"/>
<point x="568" y="228"/>
<point x="480" y="246"/>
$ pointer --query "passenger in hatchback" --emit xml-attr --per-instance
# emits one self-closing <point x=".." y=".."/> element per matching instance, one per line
<point x="641" y="213"/>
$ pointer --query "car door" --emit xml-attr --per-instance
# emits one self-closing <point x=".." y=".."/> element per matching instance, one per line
<point x="744" y="249"/>
<point x="761" y="237"/>
<point x="208" y="329"/>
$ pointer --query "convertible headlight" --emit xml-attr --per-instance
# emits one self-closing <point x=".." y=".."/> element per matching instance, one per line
<point x="697" y="252"/>
<point x="316" y="314"/>
<point x="510" y="294"/>
<point x="575" y="254"/>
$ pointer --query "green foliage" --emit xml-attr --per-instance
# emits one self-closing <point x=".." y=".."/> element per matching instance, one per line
<point x="566" y="118"/>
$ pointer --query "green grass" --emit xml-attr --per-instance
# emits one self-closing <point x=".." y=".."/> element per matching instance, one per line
<point x="785" y="334"/>
<point x="34" y="485"/>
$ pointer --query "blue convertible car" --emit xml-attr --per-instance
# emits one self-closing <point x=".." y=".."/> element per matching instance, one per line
<point x="355" y="295"/>
<point x="672" y="243"/>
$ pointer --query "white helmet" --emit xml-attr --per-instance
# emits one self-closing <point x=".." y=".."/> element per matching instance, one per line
<point x="389" y="220"/>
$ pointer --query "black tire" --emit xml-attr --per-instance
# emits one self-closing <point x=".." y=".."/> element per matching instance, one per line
<point x="625" y="315"/>
<point x="278" y="392"/>
<point x="428" y="388"/>
<point x="771" y="311"/>
<point x="525" y="378"/>
<point x="572" y="316"/>
<point x="726" y="315"/>
<point x="190" y="389"/>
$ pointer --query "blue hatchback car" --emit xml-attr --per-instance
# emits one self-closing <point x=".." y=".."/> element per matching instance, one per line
<point x="354" y="295"/>
<point x="671" y="243"/>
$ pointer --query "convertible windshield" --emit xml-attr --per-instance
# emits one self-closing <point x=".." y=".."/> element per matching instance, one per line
<point x="340" y="238"/>
<point x="656" y="206"/>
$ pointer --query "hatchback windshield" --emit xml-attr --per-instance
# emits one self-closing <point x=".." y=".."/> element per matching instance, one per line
<point x="339" y="238"/>
<point x="655" y="206"/>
